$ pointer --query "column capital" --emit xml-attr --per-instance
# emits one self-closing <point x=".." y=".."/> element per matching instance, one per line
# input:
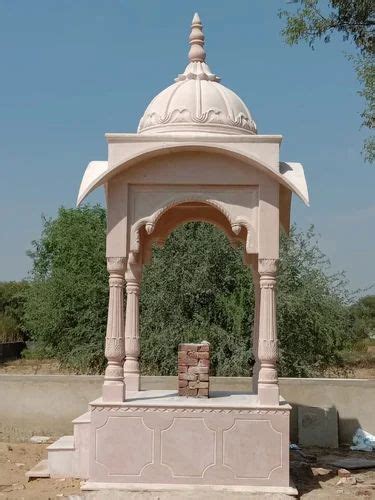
<point x="267" y="266"/>
<point x="116" y="265"/>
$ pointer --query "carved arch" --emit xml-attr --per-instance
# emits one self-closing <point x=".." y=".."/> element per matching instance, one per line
<point x="149" y="223"/>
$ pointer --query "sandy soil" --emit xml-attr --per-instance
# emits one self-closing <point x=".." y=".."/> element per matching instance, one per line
<point x="18" y="458"/>
<point x="32" y="367"/>
<point x="313" y="478"/>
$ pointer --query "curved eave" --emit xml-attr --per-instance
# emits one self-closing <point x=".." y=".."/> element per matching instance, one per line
<point x="97" y="173"/>
<point x="294" y="173"/>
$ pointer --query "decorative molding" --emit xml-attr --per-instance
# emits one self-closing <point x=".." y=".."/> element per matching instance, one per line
<point x="267" y="350"/>
<point x="267" y="283"/>
<point x="116" y="282"/>
<point x="185" y="116"/>
<point x="114" y="347"/>
<point x="156" y="409"/>
<point x="150" y="222"/>
<point x="116" y="265"/>
<point x="267" y="266"/>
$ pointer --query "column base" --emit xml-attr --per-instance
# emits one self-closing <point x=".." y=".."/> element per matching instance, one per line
<point x="132" y="381"/>
<point x="268" y="394"/>
<point x="114" y="392"/>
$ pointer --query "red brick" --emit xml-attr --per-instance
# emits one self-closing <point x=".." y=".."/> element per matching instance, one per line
<point x="202" y="392"/>
<point x="188" y="347"/>
<point x="204" y="362"/>
<point x="192" y="392"/>
<point x="188" y="376"/>
<point x="182" y="369"/>
<point x="193" y="354"/>
<point x="203" y="355"/>
<point x="199" y="369"/>
<point x="183" y="391"/>
<point x="203" y="377"/>
<point x="194" y="385"/>
<point x="192" y="361"/>
<point x="202" y="385"/>
<point x="204" y="348"/>
<point x="182" y="383"/>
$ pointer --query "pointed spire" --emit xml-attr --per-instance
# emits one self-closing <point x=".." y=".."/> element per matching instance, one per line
<point x="197" y="69"/>
<point x="196" y="40"/>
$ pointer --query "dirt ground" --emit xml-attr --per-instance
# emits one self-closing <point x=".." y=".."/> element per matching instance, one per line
<point x="15" y="460"/>
<point x="312" y="477"/>
<point x="32" y="367"/>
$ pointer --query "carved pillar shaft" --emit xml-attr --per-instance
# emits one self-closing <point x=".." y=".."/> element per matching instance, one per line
<point x="255" y="333"/>
<point x="114" y="389"/>
<point x="132" y="344"/>
<point x="268" y="387"/>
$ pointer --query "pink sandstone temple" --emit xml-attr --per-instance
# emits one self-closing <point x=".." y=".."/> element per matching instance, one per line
<point x="197" y="156"/>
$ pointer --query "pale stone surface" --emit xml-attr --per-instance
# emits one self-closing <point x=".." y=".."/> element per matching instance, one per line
<point x="39" y="439"/>
<point x="40" y="470"/>
<point x="166" y="439"/>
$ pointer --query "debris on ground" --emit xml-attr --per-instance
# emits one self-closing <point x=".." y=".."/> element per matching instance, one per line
<point x="347" y="480"/>
<point x="350" y="463"/>
<point x="321" y="485"/>
<point x="320" y="471"/>
<point x="363" y="441"/>
<point x="343" y="473"/>
<point x="40" y="439"/>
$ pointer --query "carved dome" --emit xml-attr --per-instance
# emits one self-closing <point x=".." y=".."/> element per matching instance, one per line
<point x="197" y="102"/>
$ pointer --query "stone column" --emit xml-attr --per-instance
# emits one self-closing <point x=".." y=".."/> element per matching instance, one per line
<point x="132" y="346"/>
<point x="114" y="388"/>
<point x="268" y="387"/>
<point x="255" y="333"/>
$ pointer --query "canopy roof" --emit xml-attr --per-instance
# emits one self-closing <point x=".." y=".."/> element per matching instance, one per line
<point x="197" y="101"/>
<point x="199" y="114"/>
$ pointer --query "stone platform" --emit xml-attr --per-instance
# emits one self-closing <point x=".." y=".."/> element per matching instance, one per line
<point x="159" y="438"/>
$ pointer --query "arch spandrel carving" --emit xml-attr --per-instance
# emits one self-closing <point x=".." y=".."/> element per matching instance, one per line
<point x="231" y="208"/>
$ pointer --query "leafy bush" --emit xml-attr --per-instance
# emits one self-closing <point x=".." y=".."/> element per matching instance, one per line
<point x="9" y="329"/>
<point x="12" y="298"/>
<point x="196" y="288"/>
<point x="364" y="317"/>
<point x="66" y="305"/>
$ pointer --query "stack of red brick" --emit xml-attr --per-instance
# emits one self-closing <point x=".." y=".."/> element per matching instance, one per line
<point x="193" y="370"/>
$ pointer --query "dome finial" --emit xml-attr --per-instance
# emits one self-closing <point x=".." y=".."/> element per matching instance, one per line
<point x="196" y="40"/>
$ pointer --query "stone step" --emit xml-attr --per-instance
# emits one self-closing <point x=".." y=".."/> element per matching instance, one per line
<point x="62" y="458"/>
<point x="85" y="418"/>
<point x="63" y="443"/>
<point x="40" y="470"/>
<point x="82" y="443"/>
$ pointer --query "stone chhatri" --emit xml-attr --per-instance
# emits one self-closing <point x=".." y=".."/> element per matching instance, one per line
<point x="196" y="157"/>
<point x="197" y="102"/>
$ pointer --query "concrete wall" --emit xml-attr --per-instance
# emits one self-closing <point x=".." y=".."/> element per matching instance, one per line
<point x="46" y="404"/>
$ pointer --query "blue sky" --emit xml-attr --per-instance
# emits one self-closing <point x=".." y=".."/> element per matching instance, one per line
<point x="75" y="69"/>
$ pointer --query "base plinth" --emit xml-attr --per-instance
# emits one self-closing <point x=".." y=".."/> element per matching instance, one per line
<point x="157" y="438"/>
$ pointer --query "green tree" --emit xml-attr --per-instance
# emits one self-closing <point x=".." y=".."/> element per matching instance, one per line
<point x="66" y="306"/>
<point x="354" y="19"/>
<point x="364" y="318"/>
<point x="12" y="297"/>
<point x="196" y="288"/>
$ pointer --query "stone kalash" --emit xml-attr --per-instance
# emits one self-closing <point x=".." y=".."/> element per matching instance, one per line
<point x="197" y="156"/>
